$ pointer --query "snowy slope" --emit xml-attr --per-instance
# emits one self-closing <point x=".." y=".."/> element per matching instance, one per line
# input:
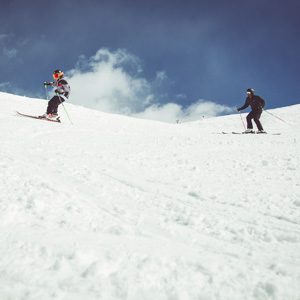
<point x="114" y="207"/>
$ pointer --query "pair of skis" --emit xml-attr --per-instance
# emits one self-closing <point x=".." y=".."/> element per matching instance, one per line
<point x="39" y="118"/>
<point x="250" y="133"/>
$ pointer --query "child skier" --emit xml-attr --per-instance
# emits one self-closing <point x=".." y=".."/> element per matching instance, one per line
<point x="62" y="93"/>
<point x="257" y="104"/>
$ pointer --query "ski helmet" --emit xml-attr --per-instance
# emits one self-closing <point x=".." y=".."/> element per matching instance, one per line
<point x="250" y="91"/>
<point x="57" y="74"/>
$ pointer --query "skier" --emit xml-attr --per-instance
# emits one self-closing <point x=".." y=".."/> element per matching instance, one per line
<point x="257" y="104"/>
<point x="62" y="93"/>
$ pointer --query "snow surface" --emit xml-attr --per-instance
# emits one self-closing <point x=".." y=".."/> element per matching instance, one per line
<point x="114" y="207"/>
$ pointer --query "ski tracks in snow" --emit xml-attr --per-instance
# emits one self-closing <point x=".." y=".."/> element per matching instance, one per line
<point x="112" y="210"/>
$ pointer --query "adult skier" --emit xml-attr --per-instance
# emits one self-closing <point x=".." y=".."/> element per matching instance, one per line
<point x="62" y="92"/>
<point x="257" y="104"/>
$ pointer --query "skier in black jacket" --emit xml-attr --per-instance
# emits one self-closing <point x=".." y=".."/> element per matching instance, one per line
<point x="62" y="93"/>
<point x="257" y="104"/>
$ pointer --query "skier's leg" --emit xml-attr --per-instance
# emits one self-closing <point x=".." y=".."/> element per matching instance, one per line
<point x="53" y="104"/>
<point x="256" y="120"/>
<point x="249" y="120"/>
<point x="59" y="101"/>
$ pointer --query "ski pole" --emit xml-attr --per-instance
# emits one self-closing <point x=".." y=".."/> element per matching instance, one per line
<point x="275" y="116"/>
<point x="46" y="90"/>
<point x="64" y="109"/>
<point x="242" y="120"/>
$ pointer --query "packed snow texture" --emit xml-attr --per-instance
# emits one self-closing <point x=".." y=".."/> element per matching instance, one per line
<point x="114" y="207"/>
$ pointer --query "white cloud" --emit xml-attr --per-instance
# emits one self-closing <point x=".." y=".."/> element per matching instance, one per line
<point x="172" y="112"/>
<point x="169" y="112"/>
<point x="110" y="81"/>
<point x="4" y="86"/>
<point x="204" y="108"/>
<point x="113" y="82"/>
<point x="3" y="36"/>
<point x="10" y="53"/>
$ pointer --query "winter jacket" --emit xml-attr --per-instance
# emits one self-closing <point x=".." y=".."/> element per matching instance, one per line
<point x="62" y="88"/>
<point x="256" y="103"/>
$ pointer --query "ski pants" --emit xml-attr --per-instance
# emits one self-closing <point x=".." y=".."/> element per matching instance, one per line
<point x="255" y="115"/>
<point x="53" y="104"/>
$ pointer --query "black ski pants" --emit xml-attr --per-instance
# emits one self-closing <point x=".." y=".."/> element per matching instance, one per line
<point x="53" y="104"/>
<point x="255" y="115"/>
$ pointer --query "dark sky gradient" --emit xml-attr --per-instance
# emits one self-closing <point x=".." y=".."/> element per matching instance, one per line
<point x="212" y="50"/>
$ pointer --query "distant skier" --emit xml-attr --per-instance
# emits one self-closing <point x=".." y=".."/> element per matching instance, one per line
<point x="62" y="91"/>
<point x="257" y="104"/>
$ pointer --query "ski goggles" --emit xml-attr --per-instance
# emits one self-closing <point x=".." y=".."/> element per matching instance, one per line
<point x="56" y="75"/>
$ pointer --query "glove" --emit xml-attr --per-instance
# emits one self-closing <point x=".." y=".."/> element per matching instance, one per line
<point x="47" y="83"/>
<point x="238" y="109"/>
<point x="58" y="91"/>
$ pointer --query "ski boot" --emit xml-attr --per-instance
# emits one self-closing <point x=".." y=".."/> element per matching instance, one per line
<point x="248" y="131"/>
<point x="52" y="117"/>
<point x="261" y="131"/>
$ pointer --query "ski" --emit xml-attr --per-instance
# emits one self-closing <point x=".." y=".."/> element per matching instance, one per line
<point x="37" y="117"/>
<point x="234" y="132"/>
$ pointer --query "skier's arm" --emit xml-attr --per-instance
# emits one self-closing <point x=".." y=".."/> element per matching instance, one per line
<point x="262" y="102"/>
<point x="59" y="90"/>
<point x="46" y="83"/>
<point x="244" y="106"/>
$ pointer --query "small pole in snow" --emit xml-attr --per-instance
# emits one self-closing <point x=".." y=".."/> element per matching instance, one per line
<point x="242" y="120"/>
<point x="46" y="90"/>
<point x="64" y="109"/>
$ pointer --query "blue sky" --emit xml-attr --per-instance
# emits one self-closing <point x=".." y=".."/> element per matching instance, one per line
<point x="209" y="50"/>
